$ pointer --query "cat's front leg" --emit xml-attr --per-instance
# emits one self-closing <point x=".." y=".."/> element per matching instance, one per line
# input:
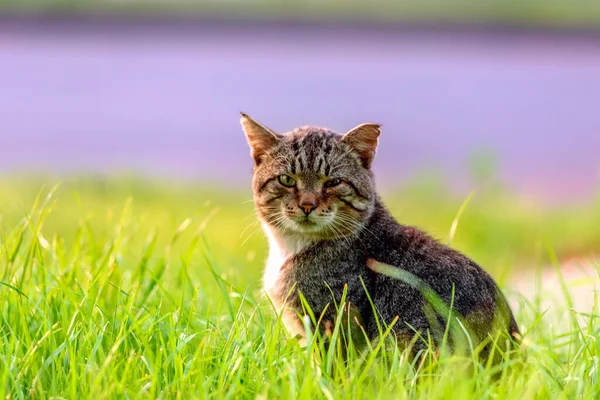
<point x="289" y="315"/>
<point x="350" y="333"/>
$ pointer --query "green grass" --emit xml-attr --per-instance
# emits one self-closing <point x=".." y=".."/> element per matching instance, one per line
<point x="122" y="288"/>
<point x="547" y="13"/>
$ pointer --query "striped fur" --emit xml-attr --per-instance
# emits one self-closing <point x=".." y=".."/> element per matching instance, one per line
<point x="327" y="228"/>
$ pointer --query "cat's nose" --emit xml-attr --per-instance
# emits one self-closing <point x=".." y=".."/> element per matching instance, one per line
<point x="308" y="207"/>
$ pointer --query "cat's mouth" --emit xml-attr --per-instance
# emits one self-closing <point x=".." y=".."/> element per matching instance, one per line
<point x="305" y="222"/>
<point x="310" y="225"/>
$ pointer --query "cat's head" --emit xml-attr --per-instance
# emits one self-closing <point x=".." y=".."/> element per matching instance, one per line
<point x="313" y="182"/>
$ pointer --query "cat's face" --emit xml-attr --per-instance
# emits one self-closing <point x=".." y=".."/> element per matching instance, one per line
<point x="312" y="182"/>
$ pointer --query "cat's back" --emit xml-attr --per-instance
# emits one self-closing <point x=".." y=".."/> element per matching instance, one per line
<point x="454" y="277"/>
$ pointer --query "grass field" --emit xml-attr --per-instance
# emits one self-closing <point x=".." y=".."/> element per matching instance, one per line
<point x="125" y="288"/>
<point x="561" y="14"/>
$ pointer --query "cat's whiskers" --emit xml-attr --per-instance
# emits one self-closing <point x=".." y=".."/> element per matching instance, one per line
<point x="360" y="226"/>
<point x="347" y="219"/>
<point x="251" y="224"/>
<point x="250" y="235"/>
<point x="337" y="235"/>
<point x="276" y="219"/>
<point x="346" y="238"/>
<point x="254" y="213"/>
<point x="347" y="226"/>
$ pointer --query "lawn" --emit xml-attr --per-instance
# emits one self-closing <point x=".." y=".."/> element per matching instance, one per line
<point x="128" y="288"/>
<point x="562" y="14"/>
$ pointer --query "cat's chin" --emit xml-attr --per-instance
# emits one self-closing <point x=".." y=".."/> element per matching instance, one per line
<point x="305" y="228"/>
<point x="308" y="227"/>
<point x="315" y="231"/>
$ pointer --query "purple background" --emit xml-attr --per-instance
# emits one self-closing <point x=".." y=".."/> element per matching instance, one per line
<point x="165" y="101"/>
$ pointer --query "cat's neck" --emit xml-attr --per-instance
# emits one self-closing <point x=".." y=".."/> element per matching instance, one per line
<point x="286" y="245"/>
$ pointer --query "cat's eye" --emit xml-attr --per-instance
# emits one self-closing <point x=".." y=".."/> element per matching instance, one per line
<point x="287" y="180"/>
<point x="332" y="182"/>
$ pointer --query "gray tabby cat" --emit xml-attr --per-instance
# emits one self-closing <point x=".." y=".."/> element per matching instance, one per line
<point x="314" y="193"/>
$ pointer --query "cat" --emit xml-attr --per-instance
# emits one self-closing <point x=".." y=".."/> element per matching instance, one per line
<point x="329" y="231"/>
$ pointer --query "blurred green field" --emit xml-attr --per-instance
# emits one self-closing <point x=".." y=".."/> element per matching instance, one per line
<point x="128" y="288"/>
<point x="529" y="13"/>
<point x="499" y="230"/>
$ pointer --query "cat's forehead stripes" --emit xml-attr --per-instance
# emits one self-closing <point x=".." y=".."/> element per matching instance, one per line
<point x="311" y="149"/>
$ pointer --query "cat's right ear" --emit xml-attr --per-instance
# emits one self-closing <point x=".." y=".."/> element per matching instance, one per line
<point x="260" y="138"/>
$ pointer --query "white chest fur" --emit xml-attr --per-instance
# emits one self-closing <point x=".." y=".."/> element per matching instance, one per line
<point x="281" y="248"/>
<point x="273" y="268"/>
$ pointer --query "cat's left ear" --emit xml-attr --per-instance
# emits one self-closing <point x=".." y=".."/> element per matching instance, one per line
<point x="364" y="139"/>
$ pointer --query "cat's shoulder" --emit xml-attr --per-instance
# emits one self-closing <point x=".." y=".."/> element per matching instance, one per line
<point x="405" y="242"/>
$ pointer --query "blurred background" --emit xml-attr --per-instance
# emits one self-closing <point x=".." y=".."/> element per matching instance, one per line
<point x="141" y="99"/>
